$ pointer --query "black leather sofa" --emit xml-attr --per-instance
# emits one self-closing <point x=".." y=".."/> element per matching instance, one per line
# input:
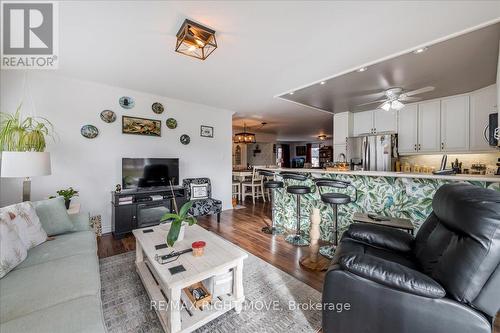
<point x="446" y="279"/>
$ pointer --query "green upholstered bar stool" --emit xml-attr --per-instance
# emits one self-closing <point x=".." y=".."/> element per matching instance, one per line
<point x="272" y="185"/>
<point x="297" y="190"/>
<point x="334" y="199"/>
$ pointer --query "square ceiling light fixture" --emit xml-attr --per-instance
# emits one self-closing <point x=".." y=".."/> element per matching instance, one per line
<point x="195" y="40"/>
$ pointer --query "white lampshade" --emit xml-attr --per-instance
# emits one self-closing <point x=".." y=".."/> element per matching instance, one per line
<point x="25" y="164"/>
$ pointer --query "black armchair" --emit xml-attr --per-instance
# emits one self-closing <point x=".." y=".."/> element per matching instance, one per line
<point x="199" y="190"/>
<point x="446" y="279"/>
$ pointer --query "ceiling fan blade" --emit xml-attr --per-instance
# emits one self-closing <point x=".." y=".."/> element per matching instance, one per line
<point x="419" y="91"/>
<point x="372" y="102"/>
<point x="405" y="98"/>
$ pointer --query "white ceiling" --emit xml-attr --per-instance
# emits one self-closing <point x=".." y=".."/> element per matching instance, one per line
<point x="265" y="48"/>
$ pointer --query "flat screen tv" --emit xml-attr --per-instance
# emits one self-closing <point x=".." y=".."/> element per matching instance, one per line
<point x="143" y="173"/>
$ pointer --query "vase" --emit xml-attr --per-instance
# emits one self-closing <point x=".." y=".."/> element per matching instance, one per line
<point x="166" y="226"/>
<point x="67" y="202"/>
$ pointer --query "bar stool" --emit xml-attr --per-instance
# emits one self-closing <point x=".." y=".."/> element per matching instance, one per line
<point x="334" y="199"/>
<point x="272" y="185"/>
<point x="297" y="190"/>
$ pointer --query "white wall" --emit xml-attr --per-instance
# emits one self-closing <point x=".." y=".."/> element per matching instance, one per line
<point x="94" y="166"/>
<point x="266" y="155"/>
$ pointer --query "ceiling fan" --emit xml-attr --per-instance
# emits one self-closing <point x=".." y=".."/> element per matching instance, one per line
<point x="394" y="98"/>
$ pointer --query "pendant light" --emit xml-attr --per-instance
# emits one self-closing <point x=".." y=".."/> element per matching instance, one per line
<point x="244" y="137"/>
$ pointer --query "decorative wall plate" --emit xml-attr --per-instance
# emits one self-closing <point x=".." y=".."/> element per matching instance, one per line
<point x="89" y="131"/>
<point x="171" y="123"/>
<point x="108" y="116"/>
<point x="157" y="108"/>
<point x="185" y="139"/>
<point x="127" y="102"/>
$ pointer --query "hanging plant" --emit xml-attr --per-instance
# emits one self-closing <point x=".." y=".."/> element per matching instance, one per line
<point x="23" y="134"/>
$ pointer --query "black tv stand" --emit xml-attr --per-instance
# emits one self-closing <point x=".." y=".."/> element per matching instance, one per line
<point x="139" y="208"/>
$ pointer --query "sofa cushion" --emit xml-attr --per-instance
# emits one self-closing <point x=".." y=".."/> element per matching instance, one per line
<point x="53" y="216"/>
<point x="80" y="222"/>
<point x="392" y="274"/>
<point x="205" y="207"/>
<point x="37" y="287"/>
<point x="12" y="250"/>
<point x="62" y="246"/>
<point x="80" y="315"/>
<point x="26" y="223"/>
<point x="352" y="246"/>
<point x="470" y="220"/>
<point x="381" y="237"/>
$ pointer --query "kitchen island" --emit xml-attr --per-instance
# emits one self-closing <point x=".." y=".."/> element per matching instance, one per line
<point x="395" y="194"/>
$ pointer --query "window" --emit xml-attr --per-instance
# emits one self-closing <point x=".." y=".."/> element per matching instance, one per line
<point x="315" y="156"/>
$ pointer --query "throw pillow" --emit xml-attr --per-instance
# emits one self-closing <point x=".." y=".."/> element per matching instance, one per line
<point x="53" y="216"/>
<point x="12" y="250"/>
<point x="199" y="191"/>
<point x="26" y="223"/>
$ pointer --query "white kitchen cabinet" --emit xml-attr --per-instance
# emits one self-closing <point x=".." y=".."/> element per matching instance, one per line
<point x="482" y="103"/>
<point x="374" y="121"/>
<point x="407" y="129"/>
<point x="429" y="129"/>
<point x="455" y="123"/>
<point x="385" y="121"/>
<point x="362" y="123"/>
<point x="341" y="127"/>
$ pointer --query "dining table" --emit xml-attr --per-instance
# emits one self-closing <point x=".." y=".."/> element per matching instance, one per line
<point x="240" y="175"/>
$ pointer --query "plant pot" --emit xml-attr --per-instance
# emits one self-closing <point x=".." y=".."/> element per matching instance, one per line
<point x="67" y="203"/>
<point x="166" y="226"/>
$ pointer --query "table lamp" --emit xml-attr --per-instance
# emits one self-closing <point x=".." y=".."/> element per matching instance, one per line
<point x="17" y="164"/>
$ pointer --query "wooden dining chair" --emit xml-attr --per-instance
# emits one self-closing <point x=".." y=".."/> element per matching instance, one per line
<point x="256" y="186"/>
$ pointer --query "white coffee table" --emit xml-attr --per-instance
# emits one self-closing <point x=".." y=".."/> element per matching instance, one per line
<point x="220" y="256"/>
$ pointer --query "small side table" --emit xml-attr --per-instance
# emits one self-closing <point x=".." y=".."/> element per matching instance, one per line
<point x="393" y="222"/>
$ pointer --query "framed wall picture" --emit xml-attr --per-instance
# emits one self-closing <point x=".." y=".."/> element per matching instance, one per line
<point x="300" y="150"/>
<point x="141" y="126"/>
<point x="207" y="131"/>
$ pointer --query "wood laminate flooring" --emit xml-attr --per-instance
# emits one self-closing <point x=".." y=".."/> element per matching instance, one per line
<point x="242" y="227"/>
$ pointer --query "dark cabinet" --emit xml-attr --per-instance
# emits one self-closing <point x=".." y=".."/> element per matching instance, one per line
<point x="124" y="219"/>
<point x="139" y="209"/>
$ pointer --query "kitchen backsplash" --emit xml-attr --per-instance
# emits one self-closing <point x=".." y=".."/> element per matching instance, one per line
<point x="430" y="161"/>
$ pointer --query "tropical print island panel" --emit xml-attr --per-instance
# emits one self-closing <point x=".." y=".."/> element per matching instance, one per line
<point x="409" y="198"/>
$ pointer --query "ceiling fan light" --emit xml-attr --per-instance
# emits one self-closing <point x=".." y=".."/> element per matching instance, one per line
<point x="386" y="106"/>
<point x="397" y="105"/>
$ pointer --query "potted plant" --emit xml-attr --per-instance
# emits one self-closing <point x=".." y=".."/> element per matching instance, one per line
<point x="177" y="223"/>
<point x="23" y="134"/>
<point x="67" y="194"/>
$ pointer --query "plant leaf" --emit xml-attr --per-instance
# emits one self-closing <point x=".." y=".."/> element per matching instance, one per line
<point x="191" y="220"/>
<point x="173" y="233"/>
<point x="169" y="216"/>
<point x="185" y="208"/>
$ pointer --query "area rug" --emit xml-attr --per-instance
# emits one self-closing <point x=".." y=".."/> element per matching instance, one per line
<point x="272" y="301"/>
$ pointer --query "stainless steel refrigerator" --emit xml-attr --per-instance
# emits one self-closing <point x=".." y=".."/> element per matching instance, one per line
<point x="373" y="152"/>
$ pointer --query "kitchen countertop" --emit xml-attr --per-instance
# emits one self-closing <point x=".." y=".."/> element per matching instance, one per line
<point x="460" y="177"/>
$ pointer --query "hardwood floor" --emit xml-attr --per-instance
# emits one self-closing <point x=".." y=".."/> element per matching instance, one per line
<point x="242" y="227"/>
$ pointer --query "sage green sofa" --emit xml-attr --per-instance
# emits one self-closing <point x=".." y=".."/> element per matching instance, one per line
<point x="57" y="288"/>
